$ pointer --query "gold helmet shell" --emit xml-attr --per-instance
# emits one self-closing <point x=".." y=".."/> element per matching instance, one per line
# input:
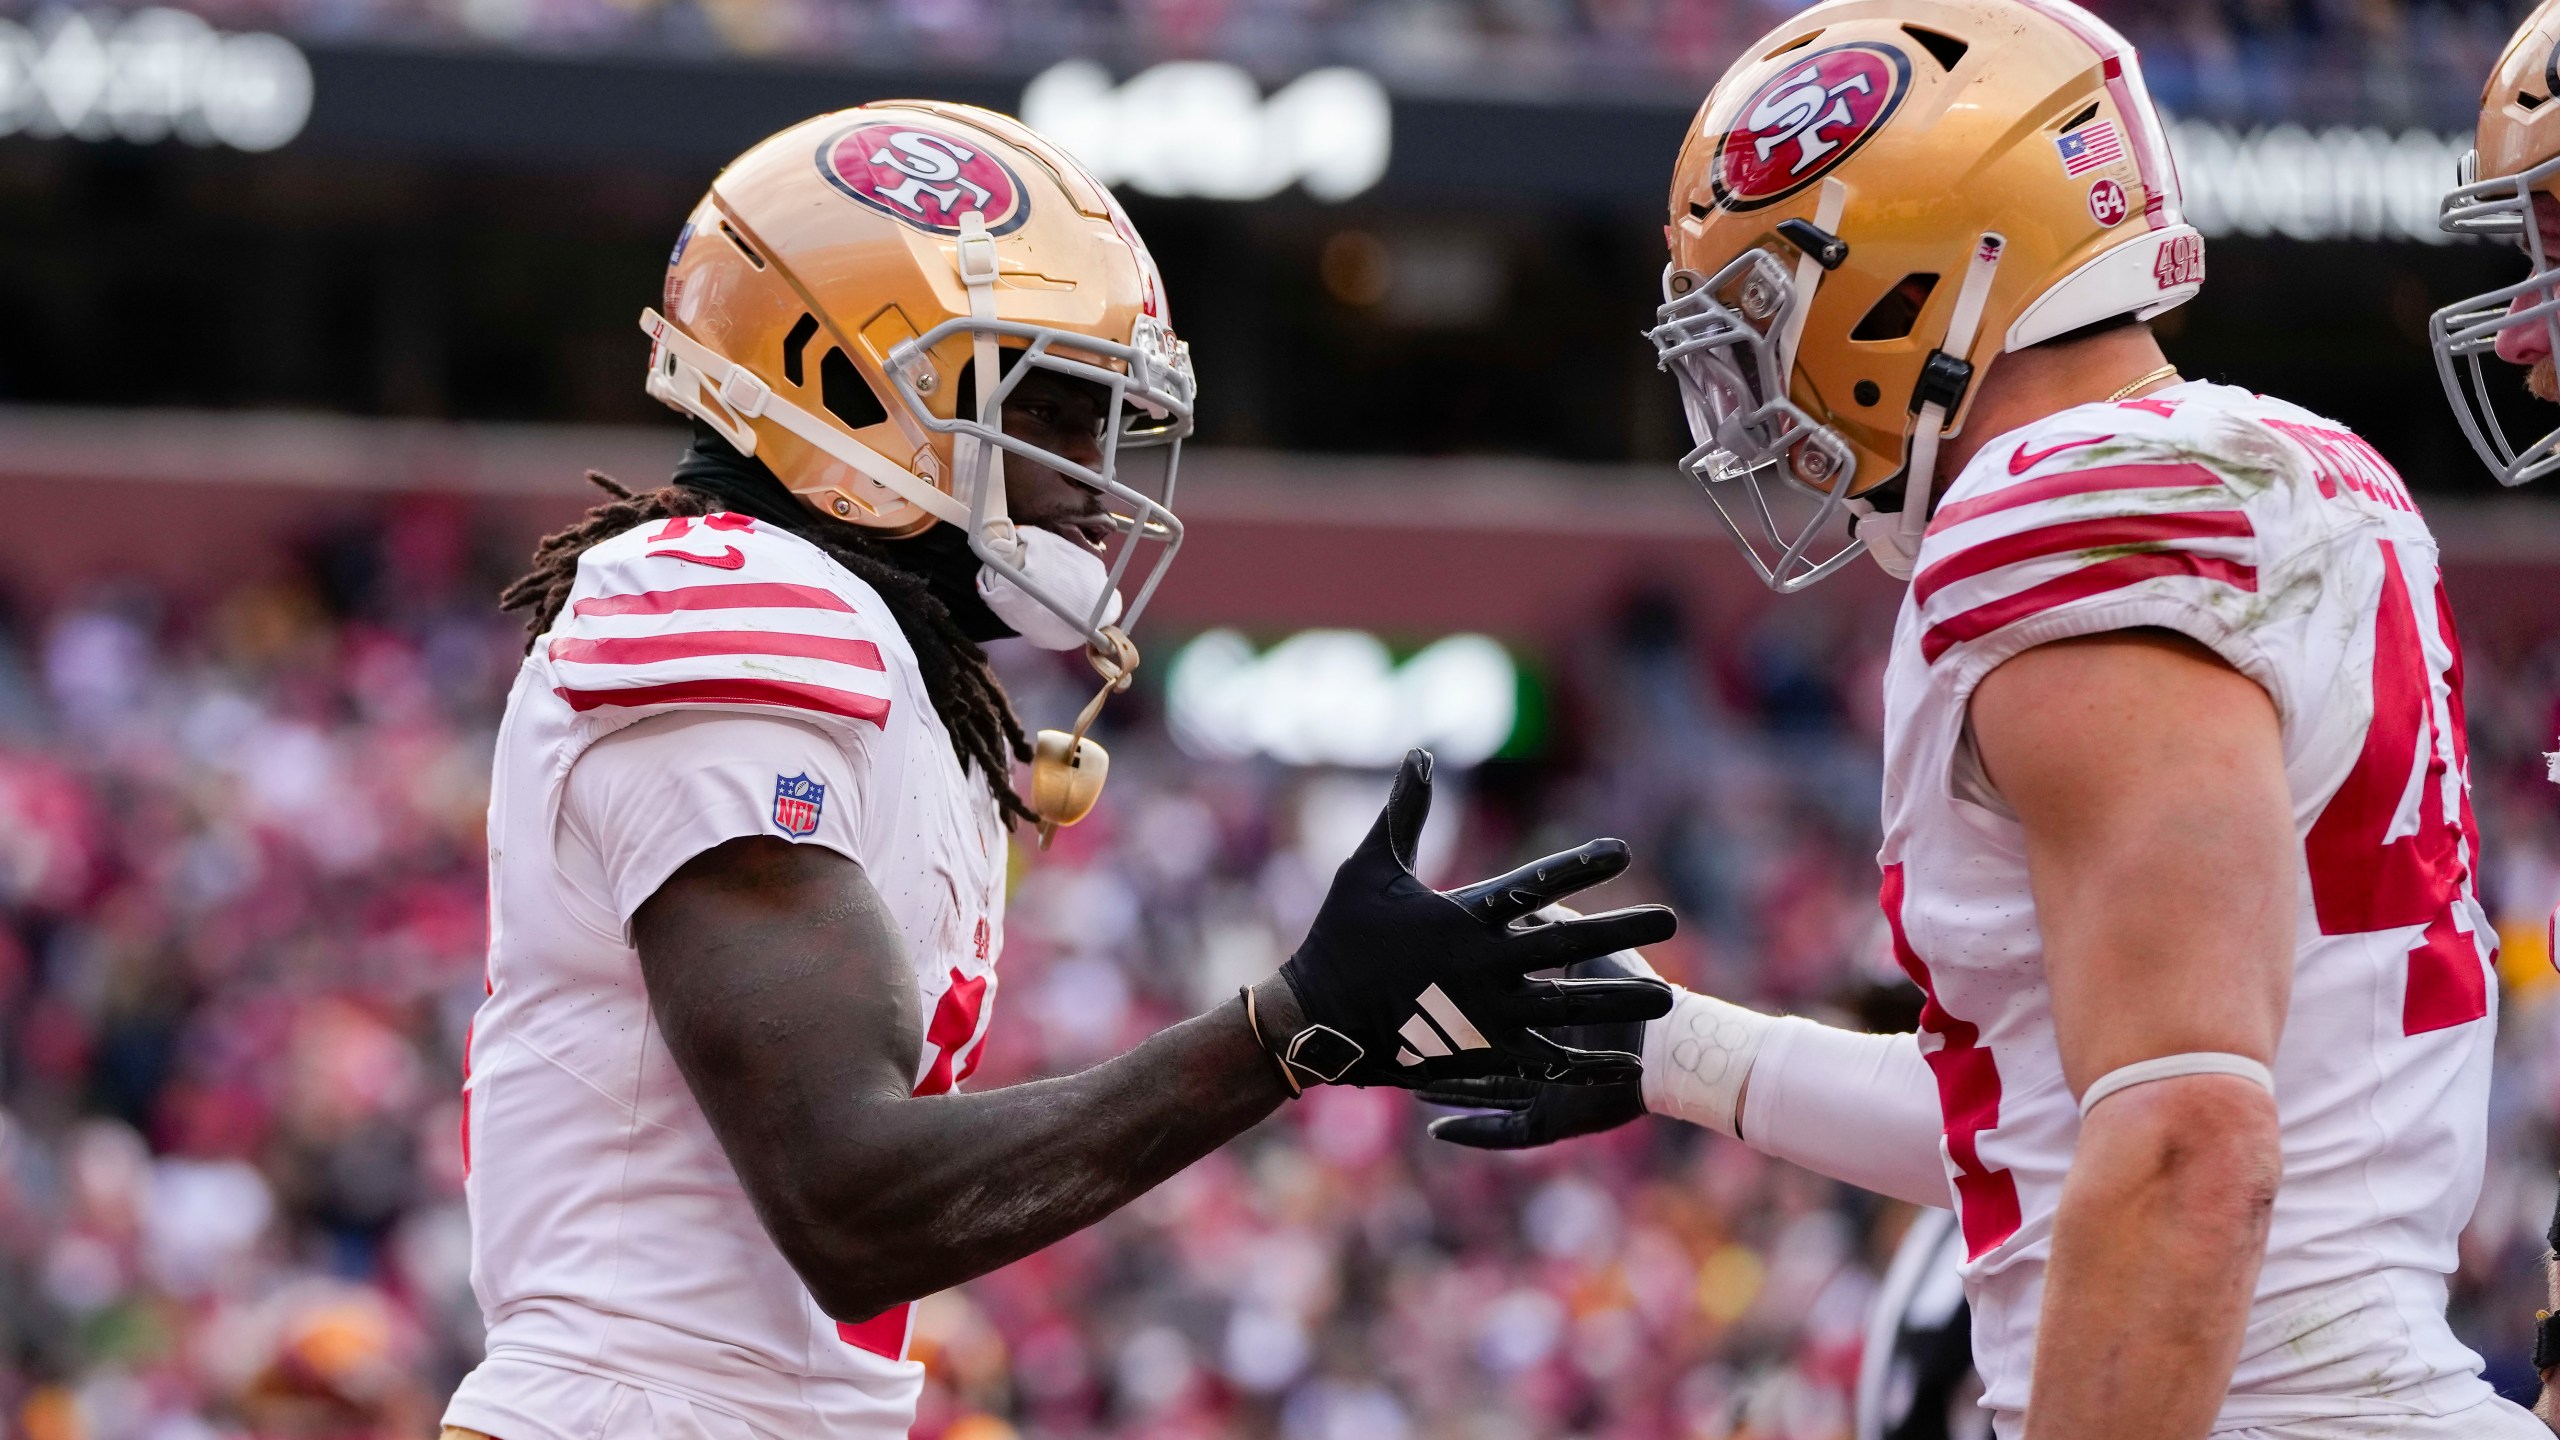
<point x="856" y="295"/>
<point x="2516" y="134"/>
<point x="1874" y="204"/>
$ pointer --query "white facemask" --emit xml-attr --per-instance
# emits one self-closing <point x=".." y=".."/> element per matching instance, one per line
<point x="1072" y="575"/>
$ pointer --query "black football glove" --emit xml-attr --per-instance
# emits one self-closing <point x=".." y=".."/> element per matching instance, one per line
<point x="1400" y="984"/>
<point x="1526" y="1113"/>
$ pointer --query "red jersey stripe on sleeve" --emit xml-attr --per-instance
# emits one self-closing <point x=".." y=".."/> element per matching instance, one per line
<point x="785" y="694"/>
<point x="2180" y="476"/>
<point x="2110" y="574"/>
<point x="2094" y="533"/>
<point x="694" y="644"/>
<point x="752" y="595"/>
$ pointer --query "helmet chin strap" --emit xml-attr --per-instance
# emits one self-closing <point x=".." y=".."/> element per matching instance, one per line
<point x="1893" y="538"/>
<point x="1809" y="271"/>
<point x="682" y="369"/>
<point x="978" y="464"/>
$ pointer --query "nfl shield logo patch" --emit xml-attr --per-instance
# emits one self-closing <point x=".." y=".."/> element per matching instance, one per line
<point x="797" y="799"/>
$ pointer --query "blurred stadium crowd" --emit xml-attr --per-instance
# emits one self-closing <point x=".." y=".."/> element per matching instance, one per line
<point x="241" y="865"/>
<point x="2387" y="62"/>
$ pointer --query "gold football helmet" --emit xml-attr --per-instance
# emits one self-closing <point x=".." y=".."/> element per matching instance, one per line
<point x="1874" y="204"/>
<point x="856" y="296"/>
<point x="2515" y="157"/>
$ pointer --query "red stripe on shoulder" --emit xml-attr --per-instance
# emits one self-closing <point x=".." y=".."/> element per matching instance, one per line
<point x="693" y="644"/>
<point x="786" y="694"/>
<point x="2184" y="475"/>
<point x="752" y="595"/>
<point x="2114" y="574"/>
<point x="2090" y="534"/>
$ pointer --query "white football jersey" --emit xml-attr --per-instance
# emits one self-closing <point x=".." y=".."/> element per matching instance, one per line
<point x="708" y="678"/>
<point x="2289" y="547"/>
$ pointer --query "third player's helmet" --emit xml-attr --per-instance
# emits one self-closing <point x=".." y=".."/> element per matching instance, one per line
<point x="857" y="295"/>
<point x="1874" y="204"/>
<point x="2513" y="167"/>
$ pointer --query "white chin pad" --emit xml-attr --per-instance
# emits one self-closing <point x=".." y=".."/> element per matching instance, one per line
<point x="1882" y="533"/>
<point x="1071" y="574"/>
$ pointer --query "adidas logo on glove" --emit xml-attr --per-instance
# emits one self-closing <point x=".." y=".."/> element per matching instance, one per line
<point x="1438" y="1028"/>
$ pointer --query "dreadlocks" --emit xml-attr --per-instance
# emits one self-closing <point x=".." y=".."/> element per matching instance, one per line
<point x="966" y="694"/>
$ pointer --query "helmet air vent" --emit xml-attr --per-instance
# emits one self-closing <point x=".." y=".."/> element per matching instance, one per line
<point x="2527" y="102"/>
<point x="793" y="368"/>
<point x="2083" y="118"/>
<point x="841" y="390"/>
<point x="743" y="247"/>
<point x="1945" y="49"/>
<point x="1798" y="43"/>
<point x="1893" y="316"/>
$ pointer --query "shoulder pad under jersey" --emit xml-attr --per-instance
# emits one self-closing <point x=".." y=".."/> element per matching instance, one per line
<point x="2091" y="509"/>
<point x="721" y="611"/>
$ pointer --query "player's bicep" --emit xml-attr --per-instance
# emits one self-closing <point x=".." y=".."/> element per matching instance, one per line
<point x="2148" y="776"/>
<point x="780" y="982"/>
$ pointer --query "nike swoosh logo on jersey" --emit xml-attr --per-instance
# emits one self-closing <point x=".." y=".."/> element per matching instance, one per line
<point x="727" y="559"/>
<point x="2022" y="461"/>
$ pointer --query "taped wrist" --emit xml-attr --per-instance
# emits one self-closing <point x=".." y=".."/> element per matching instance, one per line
<point x="1697" y="1057"/>
<point x="2170" y="1067"/>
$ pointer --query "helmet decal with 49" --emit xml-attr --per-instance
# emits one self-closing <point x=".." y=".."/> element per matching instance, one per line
<point x="924" y="177"/>
<point x="1807" y="119"/>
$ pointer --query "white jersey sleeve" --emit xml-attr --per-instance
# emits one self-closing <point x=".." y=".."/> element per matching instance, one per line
<point x="647" y="798"/>
<point x="2107" y="520"/>
<point x="721" y="612"/>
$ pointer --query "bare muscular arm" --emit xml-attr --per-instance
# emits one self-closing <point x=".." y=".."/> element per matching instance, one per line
<point x="2149" y="777"/>
<point x="786" y="996"/>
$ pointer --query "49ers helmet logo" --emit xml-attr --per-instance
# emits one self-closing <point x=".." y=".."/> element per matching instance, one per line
<point x="1809" y="117"/>
<point x="923" y="176"/>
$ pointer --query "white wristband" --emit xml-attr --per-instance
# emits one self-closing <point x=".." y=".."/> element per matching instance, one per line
<point x="2166" y="1067"/>
<point x="1696" y="1058"/>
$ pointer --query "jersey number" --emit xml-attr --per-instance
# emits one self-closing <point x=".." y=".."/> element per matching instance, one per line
<point x="2372" y="867"/>
<point x="955" y="1024"/>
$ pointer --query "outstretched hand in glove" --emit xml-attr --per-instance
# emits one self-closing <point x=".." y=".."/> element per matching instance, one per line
<point x="1400" y="984"/>
<point x="1517" y="1114"/>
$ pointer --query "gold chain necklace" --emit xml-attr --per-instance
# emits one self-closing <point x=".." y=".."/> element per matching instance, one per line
<point x="2165" y="372"/>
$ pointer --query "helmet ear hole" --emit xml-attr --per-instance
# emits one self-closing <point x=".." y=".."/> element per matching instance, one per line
<point x="842" y="391"/>
<point x="794" y="369"/>
<point x="1892" y="316"/>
